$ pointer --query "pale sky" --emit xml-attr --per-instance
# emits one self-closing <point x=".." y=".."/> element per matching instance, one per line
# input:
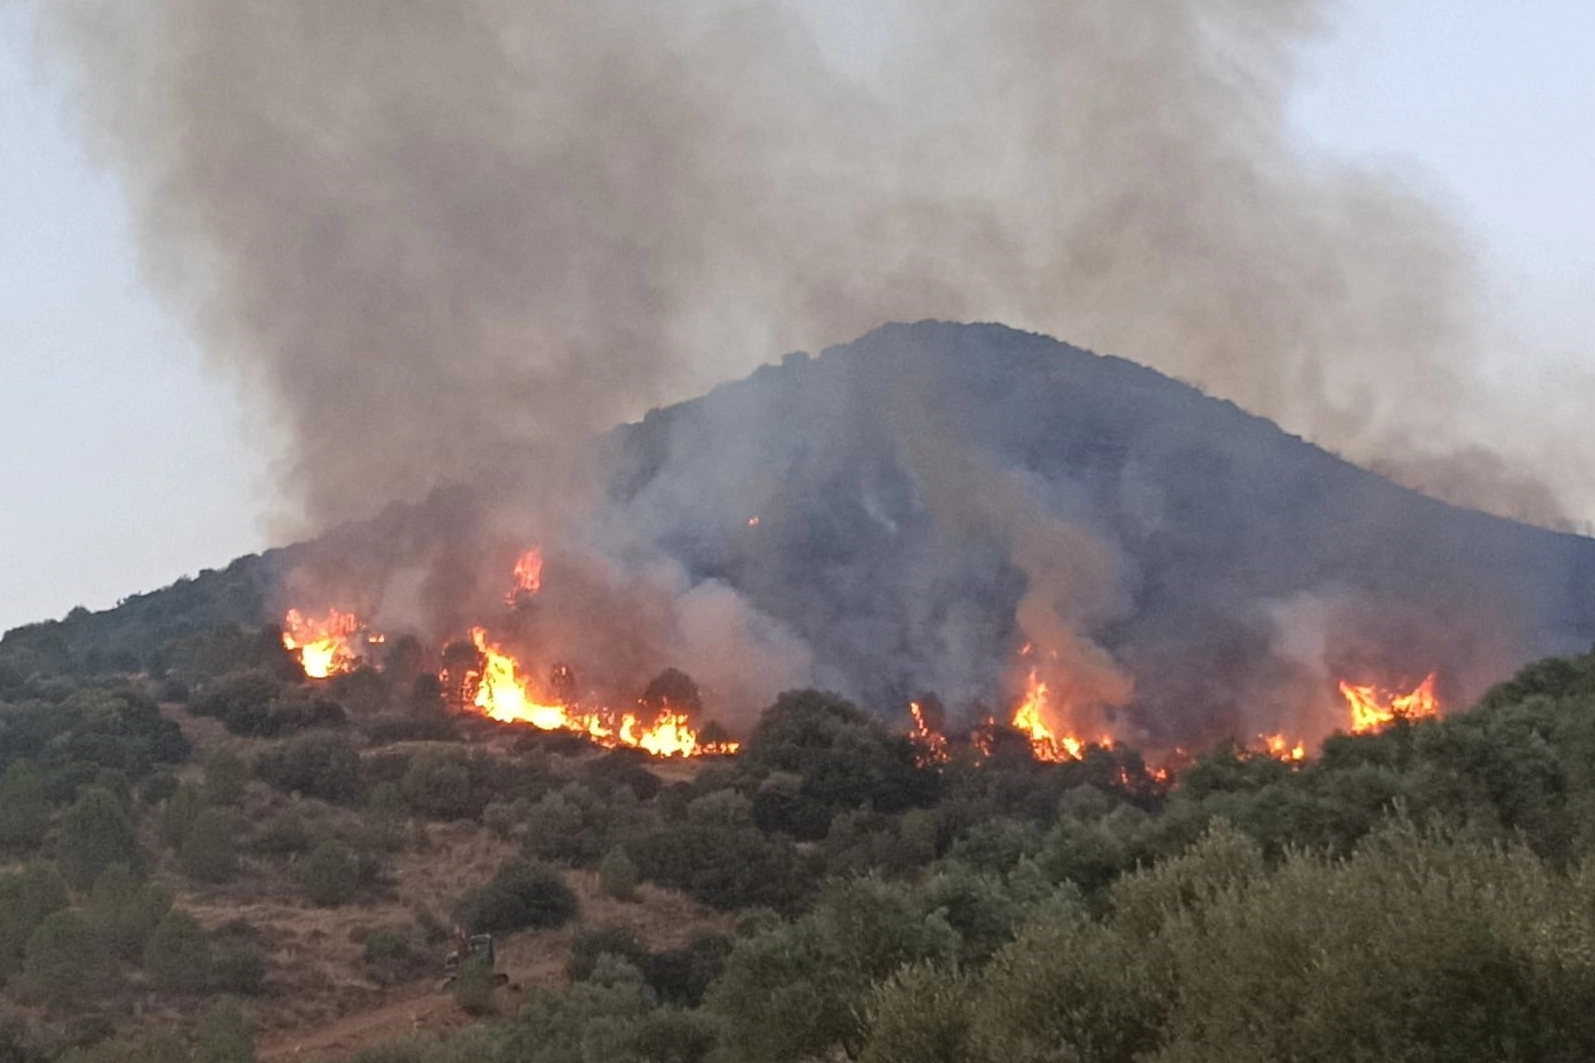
<point x="124" y="464"/>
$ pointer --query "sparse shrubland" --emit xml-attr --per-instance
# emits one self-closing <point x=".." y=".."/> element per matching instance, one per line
<point x="1416" y="894"/>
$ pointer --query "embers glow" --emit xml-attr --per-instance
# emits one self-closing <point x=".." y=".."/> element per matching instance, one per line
<point x="321" y="645"/>
<point x="930" y="745"/>
<point x="528" y="575"/>
<point x="504" y="693"/>
<point x="1373" y="708"/>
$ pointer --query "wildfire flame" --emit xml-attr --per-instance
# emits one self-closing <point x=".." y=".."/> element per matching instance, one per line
<point x="1373" y="708"/>
<point x="931" y="744"/>
<point x="1030" y="720"/>
<point x="503" y="693"/>
<point x="528" y="574"/>
<point x="321" y="645"/>
<point x="1283" y="748"/>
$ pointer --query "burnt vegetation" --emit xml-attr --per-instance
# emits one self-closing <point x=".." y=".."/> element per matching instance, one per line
<point x="879" y="905"/>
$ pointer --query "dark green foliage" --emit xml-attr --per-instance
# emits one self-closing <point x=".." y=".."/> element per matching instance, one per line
<point x="67" y="960"/>
<point x="96" y="833"/>
<point x="224" y="1034"/>
<point x="315" y="765"/>
<point x="87" y="729"/>
<point x="473" y="987"/>
<point x="449" y="783"/>
<point x="681" y="976"/>
<point x="226" y="776"/>
<point x="178" y="954"/>
<point x="285" y="833"/>
<point x="24" y="809"/>
<point x="618" y="941"/>
<point x="26" y="897"/>
<point x="392" y="956"/>
<point x="126" y="910"/>
<point x="330" y="875"/>
<point x="180" y="812"/>
<point x="257" y="704"/>
<point x="725" y="868"/>
<point x="523" y="894"/>
<point x="795" y="993"/>
<point x="618" y="875"/>
<point x="843" y="759"/>
<point x="209" y="852"/>
<point x="238" y="959"/>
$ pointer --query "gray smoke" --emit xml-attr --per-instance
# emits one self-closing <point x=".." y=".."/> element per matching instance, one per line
<point x="440" y="240"/>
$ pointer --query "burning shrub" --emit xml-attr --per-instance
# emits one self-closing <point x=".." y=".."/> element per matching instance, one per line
<point x="523" y="894"/>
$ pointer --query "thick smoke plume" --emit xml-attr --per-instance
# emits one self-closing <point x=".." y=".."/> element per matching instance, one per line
<point x="439" y="240"/>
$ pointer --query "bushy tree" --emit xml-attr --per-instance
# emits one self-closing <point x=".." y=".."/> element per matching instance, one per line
<point x="24" y="809"/>
<point x="330" y="875"/>
<point x="27" y="896"/>
<point x="95" y="833"/>
<point x="617" y="875"/>
<point x="315" y="765"/>
<point x="178" y="954"/>
<point x="67" y="960"/>
<point x="523" y="894"/>
<point x="126" y="910"/>
<point x="208" y="852"/>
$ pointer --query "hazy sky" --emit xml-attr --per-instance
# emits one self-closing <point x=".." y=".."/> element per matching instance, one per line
<point x="125" y="464"/>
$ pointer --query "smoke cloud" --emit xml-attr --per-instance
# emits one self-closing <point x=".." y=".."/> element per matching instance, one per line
<point x="442" y="240"/>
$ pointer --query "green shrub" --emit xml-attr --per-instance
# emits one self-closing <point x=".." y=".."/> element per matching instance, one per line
<point x="24" y="809"/>
<point x="613" y="940"/>
<point x="208" y="852"/>
<point x="67" y="960"/>
<point x="523" y="894"/>
<point x="316" y="765"/>
<point x="391" y="955"/>
<point x="617" y="875"/>
<point x="26" y="897"/>
<point x="330" y="875"/>
<point x="126" y="910"/>
<point x="95" y="833"/>
<point x="178" y="954"/>
<point x="473" y="987"/>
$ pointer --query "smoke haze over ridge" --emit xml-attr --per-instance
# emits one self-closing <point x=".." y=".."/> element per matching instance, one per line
<point x="441" y="239"/>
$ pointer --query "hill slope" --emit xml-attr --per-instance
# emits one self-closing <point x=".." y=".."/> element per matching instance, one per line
<point x="915" y="506"/>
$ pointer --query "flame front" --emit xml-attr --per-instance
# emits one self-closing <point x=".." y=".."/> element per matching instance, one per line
<point x="1373" y="708"/>
<point x="503" y="693"/>
<point x="1282" y="748"/>
<point x="321" y="645"/>
<point x="930" y="744"/>
<point x="528" y="574"/>
<point x="1030" y="720"/>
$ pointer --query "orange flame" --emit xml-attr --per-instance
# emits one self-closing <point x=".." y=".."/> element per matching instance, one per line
<point x="930" y="744"/>
<point x="503" y="693"/>
<point x="321" y="645"/>
<point x="1030" y="720"/>
<point x="528" y="574"/>
<point x="1282" y="748"/>
<point x="1373" y="708"/>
